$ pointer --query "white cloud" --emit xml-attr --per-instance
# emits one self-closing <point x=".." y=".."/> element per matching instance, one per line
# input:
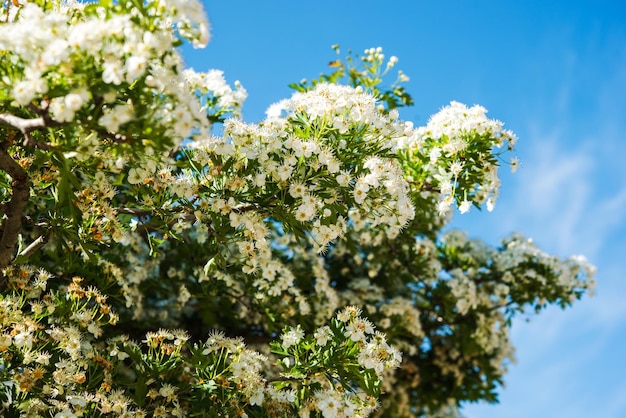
<point x="570" y="197"/>
<point x="552" y="193"/>
<point x="557" y="372"/>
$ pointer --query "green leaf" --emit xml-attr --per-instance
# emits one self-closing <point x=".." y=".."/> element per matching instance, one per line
<point x="141" y="389"/>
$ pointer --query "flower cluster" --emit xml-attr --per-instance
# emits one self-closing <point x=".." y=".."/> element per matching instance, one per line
<point x="84" y="64"/>
<point x="212" y="89"/>
<point x="453" y="155"/>
<point x="309" y="363"/>
<point x="329" y="153"/>
<point x="49" y="350"/>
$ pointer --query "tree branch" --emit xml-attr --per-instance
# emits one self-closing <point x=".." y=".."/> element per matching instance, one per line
<point x="34" y="246"/>
<point x="155" y="224"/>
<point x="12" y="217"/>
<point x="149" y="212"/>
<point x="282" y="378"/>
<point x="23" y="125"/>
<point x="177" y="209"/>
<point x="26" y="126"/>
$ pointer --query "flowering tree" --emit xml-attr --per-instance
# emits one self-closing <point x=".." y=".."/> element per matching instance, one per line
<point x="293" y="267"/>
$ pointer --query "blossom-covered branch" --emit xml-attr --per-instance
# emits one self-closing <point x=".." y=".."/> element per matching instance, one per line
<point x="299" y="266"/>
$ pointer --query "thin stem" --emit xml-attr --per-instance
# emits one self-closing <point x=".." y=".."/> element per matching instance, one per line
<point x="284" y="379"/>
<point x="148" y="212"/>
<point x="34" y="246"/>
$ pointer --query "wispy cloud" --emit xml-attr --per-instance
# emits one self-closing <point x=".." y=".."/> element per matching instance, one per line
<point x="570" y="196"/>
<point x="552" y="194"/>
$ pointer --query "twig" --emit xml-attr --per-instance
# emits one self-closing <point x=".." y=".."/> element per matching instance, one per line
<point x="26" y="126"/>
<point x="284" y="379"/>
<point x="135" y="211"/>
<point x="243" y="208"/>
<point x="34" y="246"/>
<point x="149" y="212"/>
<point x="154" y="224"/>
<point x="29" y="141"/>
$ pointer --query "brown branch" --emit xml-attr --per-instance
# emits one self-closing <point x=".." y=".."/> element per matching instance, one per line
<point x="149" y="212"/>
<point x="135" y="211"/>
<point x="177" y="209"/>
<point x="26" y="126"/>
<point x="155" y="224"/>
<point x="243" y="208"/>
<point x="282" y="378"/>
<point x="12" y="217"/>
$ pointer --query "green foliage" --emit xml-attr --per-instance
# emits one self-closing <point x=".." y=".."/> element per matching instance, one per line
<point x="368" y="72"/>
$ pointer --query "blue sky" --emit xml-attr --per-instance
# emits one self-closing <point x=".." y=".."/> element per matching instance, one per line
<point x="555" y="73"/>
